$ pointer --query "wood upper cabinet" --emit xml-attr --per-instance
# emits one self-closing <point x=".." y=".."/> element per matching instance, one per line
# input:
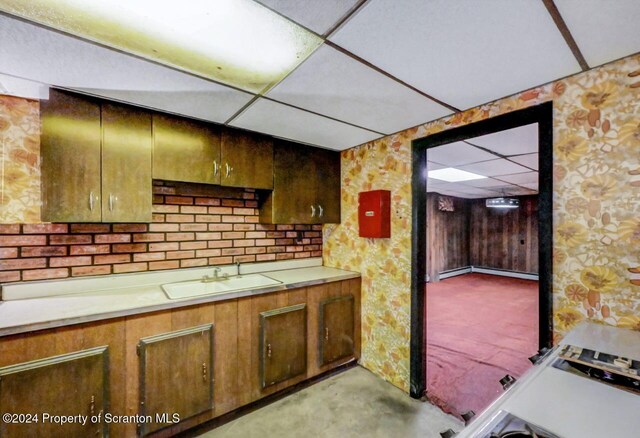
<point x="336" y="329"/>
<point x="96" y="161"/>
<point x="126" y="164"/>
<point x="185" y="150"/>
<point x="70" y="150"/>
<point x="306" y="188"/>
<point x="70" y="384"/>
<point x="247" y="159"/>
<point x="176" y="375"/>
<point x="283" y="344"/>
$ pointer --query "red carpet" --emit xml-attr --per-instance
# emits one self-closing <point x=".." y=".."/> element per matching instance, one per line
<point x="479" y="328"/>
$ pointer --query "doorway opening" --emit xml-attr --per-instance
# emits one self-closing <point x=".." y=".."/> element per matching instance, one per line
<point x="481" y="268"/>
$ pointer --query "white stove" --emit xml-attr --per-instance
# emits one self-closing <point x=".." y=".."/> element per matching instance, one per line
<point x="556" y="402"/>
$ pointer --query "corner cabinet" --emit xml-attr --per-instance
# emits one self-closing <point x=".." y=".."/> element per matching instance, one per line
<point x="306" y="186"/>
<point x="96" y="161"/>
<point x="70" y="384"/>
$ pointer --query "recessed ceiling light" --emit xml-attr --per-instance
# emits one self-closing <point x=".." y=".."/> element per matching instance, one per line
<point x="237" y="42"/>
<point x="451" y="174"/>
<point x="502" y="203"/>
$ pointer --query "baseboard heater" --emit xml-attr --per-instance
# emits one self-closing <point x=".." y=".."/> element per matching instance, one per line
<point x="491" y="271"/>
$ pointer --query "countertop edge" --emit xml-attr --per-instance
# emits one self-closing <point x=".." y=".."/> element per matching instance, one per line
<point x="36" y="326"/>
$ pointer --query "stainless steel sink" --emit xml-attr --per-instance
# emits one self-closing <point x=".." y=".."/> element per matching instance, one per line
<point x="194" y="288"/>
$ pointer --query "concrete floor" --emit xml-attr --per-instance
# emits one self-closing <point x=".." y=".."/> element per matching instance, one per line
<point x="354" y="403"/>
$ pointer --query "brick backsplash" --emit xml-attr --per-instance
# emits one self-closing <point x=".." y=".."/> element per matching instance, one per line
<point x="192" y="225"/>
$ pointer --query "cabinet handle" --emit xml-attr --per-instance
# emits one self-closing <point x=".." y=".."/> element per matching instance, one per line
<point x="269" y="351"/>
<point x="228" y="169"/>
<point x="326" y="334"/>
<point x="91" y="201"/>
<point x="216" y="168"/>
<point x="313" y="211"/>
<point x="321" y="210"/>
<point x="204" y="371"/>
<point x="92" y="405"/>
<point x="112" y="201"/>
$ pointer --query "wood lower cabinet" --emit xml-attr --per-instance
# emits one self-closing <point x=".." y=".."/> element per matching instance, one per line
<point x="74" y="384"/>
<point x="283" y="344"/>
<point x="306" y="186"/>
<point x="156" y="359"/>
<point x="336" y="324"/>
<point x="176" y="376"/>
<point x="185" y="150"/>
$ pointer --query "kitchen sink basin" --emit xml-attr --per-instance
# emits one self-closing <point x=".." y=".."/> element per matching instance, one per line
<point x="194" y="288"/>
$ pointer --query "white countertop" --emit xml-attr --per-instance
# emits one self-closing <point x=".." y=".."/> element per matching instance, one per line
<point x="569" y="405"/>
<point x="41" y="305"/>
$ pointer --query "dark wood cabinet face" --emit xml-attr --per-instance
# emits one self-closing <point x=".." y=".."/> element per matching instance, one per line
<point x="328" y="186"/>
<point x="186" y="150"/>
<point x="246" y="159"/>
<point x="70" y="150"/>
<point x="336" y="329"/>
<point x="126" y="164"/>
<point x="70" y="384"/>
<point x="176" y="375"/>
<point x="283" y="344"/>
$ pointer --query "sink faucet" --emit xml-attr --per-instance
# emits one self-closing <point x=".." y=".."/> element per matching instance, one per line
<point x="216" y="276"/>
<point x="238" y="268"/>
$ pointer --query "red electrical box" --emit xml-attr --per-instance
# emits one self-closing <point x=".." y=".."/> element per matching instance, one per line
<point x="374" y="213"/>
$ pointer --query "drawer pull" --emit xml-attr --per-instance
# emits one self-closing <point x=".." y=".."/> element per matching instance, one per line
<point x="92" y="405"/>
<point x="313" y="211"/>
<point x="204" y="371"/>
<point x="326" y="334"/>
<point x="269" y="351"/>
<point x="216" y="168"/>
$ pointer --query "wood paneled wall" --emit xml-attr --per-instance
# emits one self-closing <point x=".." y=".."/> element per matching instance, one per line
<point x="474" y="235"/>
<point x="505" y="239"/>
<point x="447" y="236"/>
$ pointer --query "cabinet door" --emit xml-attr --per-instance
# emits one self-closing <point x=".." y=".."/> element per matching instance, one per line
<point x="185" y="150"/>
<point x="126" y="164"/>
<point x="294" y="186"/>
<point x="71" y="384"/>
<point x="176" y="375"/>
<point x="70" y="150"/>
<point x="327" y="186"/>
<point x="336" y="329"/>
<point x="283" y="344"/>
<point x="247" y="160"/>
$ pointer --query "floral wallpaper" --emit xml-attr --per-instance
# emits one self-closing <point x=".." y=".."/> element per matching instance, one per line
<point x="19" y="160"/>
<point x="596" y="212"/>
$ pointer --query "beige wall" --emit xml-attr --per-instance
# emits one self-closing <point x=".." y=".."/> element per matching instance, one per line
<point x="596" y="212"/>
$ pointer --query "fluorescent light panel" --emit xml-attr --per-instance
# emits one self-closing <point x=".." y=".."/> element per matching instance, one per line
<point x="451" y="174"/>
<point x="237" y="42"/>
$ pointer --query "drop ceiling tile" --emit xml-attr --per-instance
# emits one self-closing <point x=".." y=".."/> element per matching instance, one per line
<point x="12" y="86"/>
<point x="291" y="123"/>
<point x="332" y="83"/>
<point x="531" y="186"/>
<point x="41" y="55"/>
<point x="494" y="168"/>
<point x="484" y="183"/>
<point x="520" y="178"/>
<point x="529" y="160"/>
<point x="457" y="154"/>
<point x="603" y="30"/>
<point x="458" y="52"/>
<point x="319" y="16"/>
<point x="520" y="191"/>
<point x="434" y="166"/>
<point x="515" y="141"/>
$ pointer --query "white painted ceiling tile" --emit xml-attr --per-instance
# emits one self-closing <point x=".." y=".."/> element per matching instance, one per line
<point x="520" y="191"/>
<point x="494" y="168"/>
<point x="603" y="30"/>
<point x="530" y="160"/>
<point x="458" y="51"/>
<point x="484" y="183"/>
<point x="291" y="123"/>
<point x="434" y="166"/>
<point x="41" y="55"/>
<point x="334" y="84"/>
<point x="532" y="186"/>
<point x="457" y="153"/>
<point x="12" y="86"/>
<point x="515" y="141"/>
<point x="319" y="16"/>
<point x="520" y="178"/>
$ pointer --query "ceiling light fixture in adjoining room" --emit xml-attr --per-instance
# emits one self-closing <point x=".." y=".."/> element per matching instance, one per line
<point x="503" y="203"/>
<point x="235" y="42"/>
<point x="451" y="174"/>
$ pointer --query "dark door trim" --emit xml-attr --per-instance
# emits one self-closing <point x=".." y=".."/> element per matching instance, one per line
<point x="543" y="115"/>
